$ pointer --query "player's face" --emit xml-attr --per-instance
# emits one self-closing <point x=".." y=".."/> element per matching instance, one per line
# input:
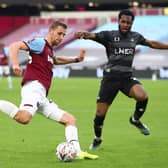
<point x="57" y="35"/>
<point x="125" y="24"/>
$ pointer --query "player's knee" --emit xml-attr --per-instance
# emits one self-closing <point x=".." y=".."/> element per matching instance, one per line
<point x="102" y="109"/>
<point x="71" y="120"/>
<point x="22" y="120"/>
<point x="99" y="112"/>
<point x="23" y="117"/>
<point x="142" y="97"/>
<point x="68" y="119"/>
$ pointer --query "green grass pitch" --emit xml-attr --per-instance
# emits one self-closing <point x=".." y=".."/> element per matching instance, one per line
<point x="33" y="145"/>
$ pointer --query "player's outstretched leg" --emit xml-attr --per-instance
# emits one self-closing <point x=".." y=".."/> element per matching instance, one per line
<point x="138" y="124"/>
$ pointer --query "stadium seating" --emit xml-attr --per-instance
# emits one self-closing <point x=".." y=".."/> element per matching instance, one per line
<point x="150" y="26"/>
<point x="38" y="27"/>
<point x="11" y="23"/>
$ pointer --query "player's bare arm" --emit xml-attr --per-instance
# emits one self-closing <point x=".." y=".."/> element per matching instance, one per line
<point x="13" y="54"/>
<point x="155" y="44"/>
<point x="60" y="60"/>
<point x="85" y="35"/>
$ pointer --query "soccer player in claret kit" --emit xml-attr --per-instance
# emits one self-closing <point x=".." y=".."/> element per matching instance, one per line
<point x="37" y="80"/>
<point x="117" y="75"/>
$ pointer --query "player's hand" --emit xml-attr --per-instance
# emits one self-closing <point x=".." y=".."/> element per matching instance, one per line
<point x="81" y="55"/>
<point x="80" y="35"/>
<point x="17" y="70"/>
<point x="85" y="35"/>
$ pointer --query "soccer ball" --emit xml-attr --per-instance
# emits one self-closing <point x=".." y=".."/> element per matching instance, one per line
<point x="66" y="151"/>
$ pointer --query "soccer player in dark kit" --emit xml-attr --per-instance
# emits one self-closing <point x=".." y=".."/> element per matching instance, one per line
<point x="117" y="75"/>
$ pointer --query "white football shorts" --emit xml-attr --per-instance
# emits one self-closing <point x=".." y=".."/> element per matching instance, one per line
<point x="33" y="99"/>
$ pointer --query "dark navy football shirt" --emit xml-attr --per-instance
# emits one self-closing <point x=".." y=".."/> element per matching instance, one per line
<point x="120" y="50"/>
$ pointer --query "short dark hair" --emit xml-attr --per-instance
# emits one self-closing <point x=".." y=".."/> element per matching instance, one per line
<point x="57" y="23"/>
<point x="126" y="12"/>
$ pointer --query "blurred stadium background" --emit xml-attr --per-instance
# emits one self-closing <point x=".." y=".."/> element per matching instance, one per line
<point x="24" y="20"/>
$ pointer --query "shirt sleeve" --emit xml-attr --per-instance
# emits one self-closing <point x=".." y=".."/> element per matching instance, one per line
<point x="36" y="45"/>
<point x="141" y="39"/>
<point x="102" y="37"/>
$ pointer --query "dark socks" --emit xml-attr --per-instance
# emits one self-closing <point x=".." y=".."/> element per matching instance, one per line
<point x="98" y="125"/>
<point x="140" y="109"/>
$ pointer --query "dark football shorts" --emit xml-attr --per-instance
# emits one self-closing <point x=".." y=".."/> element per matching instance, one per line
<point x="110" y="87"/>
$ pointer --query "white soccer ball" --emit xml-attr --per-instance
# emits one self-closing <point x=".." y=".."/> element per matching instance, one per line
<point x="66" y="151"/>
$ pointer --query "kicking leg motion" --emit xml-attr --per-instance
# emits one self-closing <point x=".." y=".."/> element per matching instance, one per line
<point x="71" y="132"/>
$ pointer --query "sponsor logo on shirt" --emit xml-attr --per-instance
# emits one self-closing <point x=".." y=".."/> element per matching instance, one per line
<point x="124" y="51"/>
